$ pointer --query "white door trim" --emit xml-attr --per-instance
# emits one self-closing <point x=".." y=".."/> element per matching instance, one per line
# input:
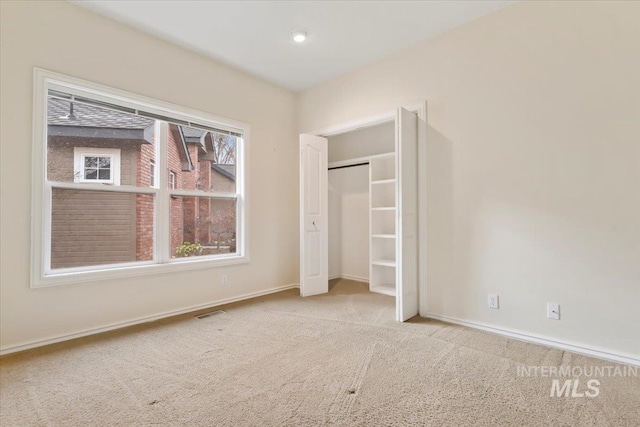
<point x="420" y="108"/>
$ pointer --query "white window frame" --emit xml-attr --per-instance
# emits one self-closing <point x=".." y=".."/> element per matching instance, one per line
<point x="172" y="180"/>
<point x="41" y="274"/>
<point x="79" y="154"/>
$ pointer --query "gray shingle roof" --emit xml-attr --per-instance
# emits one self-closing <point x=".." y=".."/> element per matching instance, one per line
<point x="227" y="170"/>
<point x="190" y="132"/>
<point x="90" y="116"/>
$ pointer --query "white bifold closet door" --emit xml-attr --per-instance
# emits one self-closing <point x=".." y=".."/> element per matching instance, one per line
<point x="314" y="215"/>
<point x="407" y="214"/>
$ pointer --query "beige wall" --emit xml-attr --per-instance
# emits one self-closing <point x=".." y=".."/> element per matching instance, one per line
<point x="64" y="38"/>
<point x="534" y="164"/>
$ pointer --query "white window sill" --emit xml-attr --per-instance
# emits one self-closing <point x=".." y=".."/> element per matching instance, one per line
<point x="109" y="272"/>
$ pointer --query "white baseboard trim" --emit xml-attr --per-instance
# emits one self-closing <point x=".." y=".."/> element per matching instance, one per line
<point x="145" y="319"/>
<point x="538" y="339"/>
<point x="346" y="276"/>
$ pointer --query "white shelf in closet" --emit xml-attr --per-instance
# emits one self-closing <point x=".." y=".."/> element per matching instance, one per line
<point x="384" y="181"/>
<point x="382" y="255"/>
<point x="384" y="262"/>
<point x="385" y="289"/>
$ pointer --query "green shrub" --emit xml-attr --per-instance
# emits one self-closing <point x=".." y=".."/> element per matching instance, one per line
<point x="188" y="249"/>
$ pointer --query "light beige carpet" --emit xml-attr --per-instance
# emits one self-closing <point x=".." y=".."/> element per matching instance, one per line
<point x="280" y="360"/>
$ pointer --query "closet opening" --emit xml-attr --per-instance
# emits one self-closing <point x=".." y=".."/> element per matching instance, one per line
<point x="362" y="207"/>
<point x="361" y="188"/>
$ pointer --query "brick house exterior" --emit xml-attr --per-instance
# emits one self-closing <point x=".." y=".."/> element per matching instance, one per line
<point x="91" y="228"/>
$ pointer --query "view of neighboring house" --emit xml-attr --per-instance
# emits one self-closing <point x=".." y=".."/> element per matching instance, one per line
<point x="90" y="144"/>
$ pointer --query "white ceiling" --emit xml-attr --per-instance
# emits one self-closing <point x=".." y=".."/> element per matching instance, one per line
<point x="254" y="36"/>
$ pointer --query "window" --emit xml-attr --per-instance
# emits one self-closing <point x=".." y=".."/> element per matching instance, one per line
<point x="96" y="165"/>
<point x="152" y="173"/>
<point x="99" y="155"/>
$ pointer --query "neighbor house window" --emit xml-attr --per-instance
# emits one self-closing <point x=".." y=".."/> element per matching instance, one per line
<point x="96" y="165"/>
<point x="99" y="156"/>
<point x="152" y="173"/>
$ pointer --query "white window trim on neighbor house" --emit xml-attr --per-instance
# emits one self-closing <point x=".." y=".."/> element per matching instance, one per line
<point x="79" y="155"/>
<point x="41" y="273"/>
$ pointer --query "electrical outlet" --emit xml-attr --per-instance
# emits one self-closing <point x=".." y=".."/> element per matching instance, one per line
<point x="553" y="311"/>
<point x="493" y="301"/>
<point x="224" y="280"/>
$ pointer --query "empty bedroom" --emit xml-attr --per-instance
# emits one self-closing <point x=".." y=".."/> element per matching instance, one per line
<point x="310" y="213"/>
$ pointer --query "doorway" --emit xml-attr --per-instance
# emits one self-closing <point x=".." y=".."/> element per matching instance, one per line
<point x="362" y="206"/>
<point x="359" y="206"/>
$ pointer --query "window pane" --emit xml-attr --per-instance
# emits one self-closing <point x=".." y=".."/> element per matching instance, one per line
<point x="90" y="174"/>
<point x="90" y="162"/>
<point x="152" y="174"/>
<point x="104" y="174"/>
<point x="105" y="162"/>
<point x="208" y="223"/>
<point x="99" y="227"/>
<point x="81" y="136"/>
<point x="202" y="160"/>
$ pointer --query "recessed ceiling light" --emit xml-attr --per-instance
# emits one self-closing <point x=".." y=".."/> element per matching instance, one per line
<point x="299" y="36"/>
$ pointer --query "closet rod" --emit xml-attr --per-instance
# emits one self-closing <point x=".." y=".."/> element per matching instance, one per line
<point x="349" y="166"/>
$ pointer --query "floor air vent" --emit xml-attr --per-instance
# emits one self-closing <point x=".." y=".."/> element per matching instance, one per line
<point x="211" y="313"/>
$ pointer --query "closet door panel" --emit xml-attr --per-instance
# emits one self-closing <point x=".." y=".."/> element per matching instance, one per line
<point x="407" y="214"/>
<point x="314" y="234"/>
